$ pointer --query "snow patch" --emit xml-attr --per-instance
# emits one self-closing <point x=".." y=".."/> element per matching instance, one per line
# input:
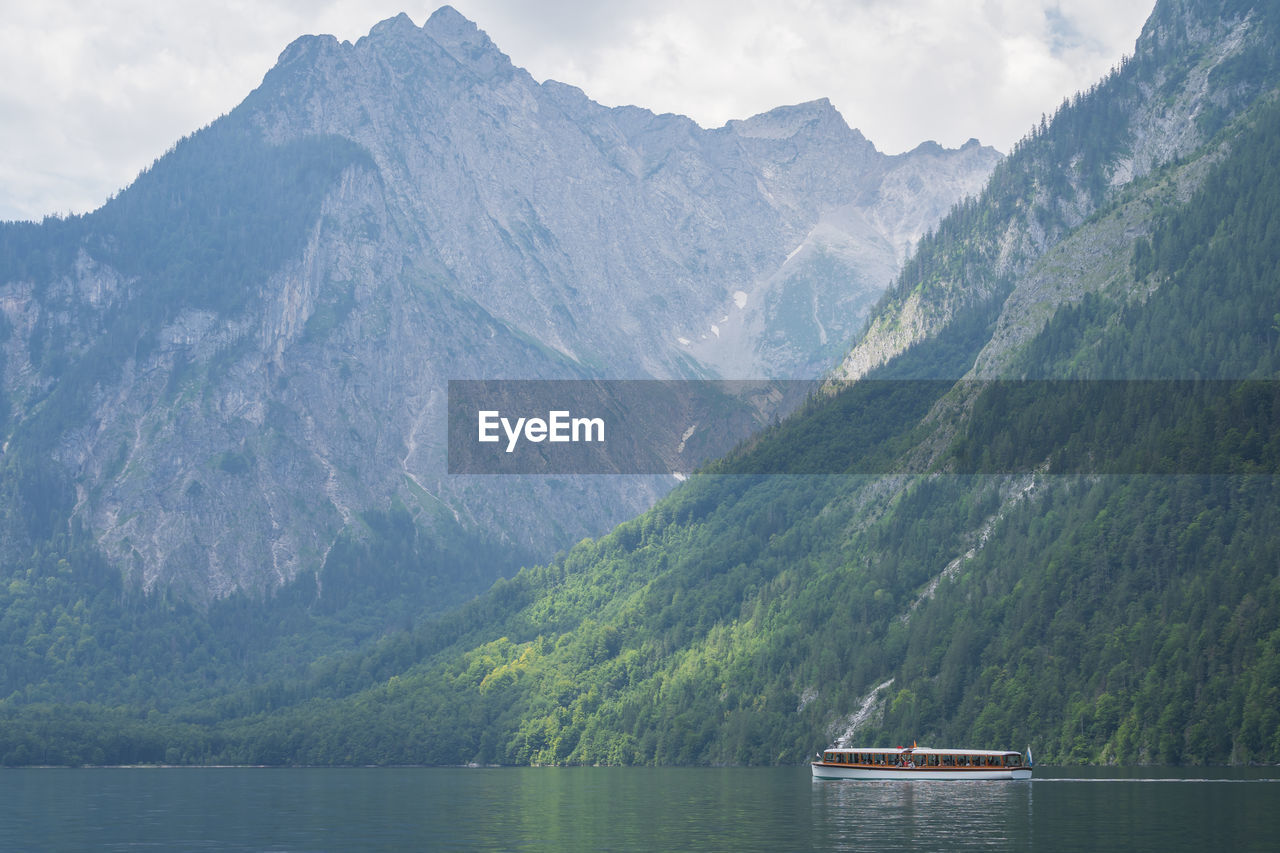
<point x="740" y="299"/>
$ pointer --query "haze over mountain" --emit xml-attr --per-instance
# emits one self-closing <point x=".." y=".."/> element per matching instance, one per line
<point x="1054" y="598"/>
<point x="217" y="374"/>
<point x="1086" y="566"/>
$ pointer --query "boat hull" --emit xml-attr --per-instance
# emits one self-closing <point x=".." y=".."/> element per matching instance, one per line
<point x="919" y="774"/>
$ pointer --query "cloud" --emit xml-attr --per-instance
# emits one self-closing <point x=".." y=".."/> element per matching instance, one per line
<point x="901" y="71"/>
<point x="93" y="93"/>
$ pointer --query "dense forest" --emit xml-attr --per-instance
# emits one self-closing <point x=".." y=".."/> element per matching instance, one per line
<point x="1084" y="556"/>
<point x="1100" y="616"/>
<point x="74" y="627"/>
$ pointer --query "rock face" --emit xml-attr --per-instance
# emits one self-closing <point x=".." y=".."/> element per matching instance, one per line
<point x="224" y="387"/>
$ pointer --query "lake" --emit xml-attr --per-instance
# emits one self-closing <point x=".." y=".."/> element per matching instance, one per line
<point x="553" y="809"/>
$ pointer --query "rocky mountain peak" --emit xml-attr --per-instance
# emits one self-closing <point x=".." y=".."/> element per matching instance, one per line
<point x="450" y="27"/>
<point x="451" y="218"/>
<point x="465" y="41"/>
<point x="927" y="147"/>
<point x="399" y="26"/>
<point x="304" y="50"/>
<point x="787" y="121"/>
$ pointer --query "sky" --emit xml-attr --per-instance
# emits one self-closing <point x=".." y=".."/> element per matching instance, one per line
<point x="92" y="93"/>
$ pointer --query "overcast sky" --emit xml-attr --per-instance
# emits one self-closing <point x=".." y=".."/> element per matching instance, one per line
<point x="91" y="93"/>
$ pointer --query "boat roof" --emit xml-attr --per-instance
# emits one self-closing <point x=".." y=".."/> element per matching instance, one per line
<point x="920" y="749"/>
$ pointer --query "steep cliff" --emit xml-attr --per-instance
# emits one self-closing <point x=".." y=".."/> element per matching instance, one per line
<point x="223" y="370"/>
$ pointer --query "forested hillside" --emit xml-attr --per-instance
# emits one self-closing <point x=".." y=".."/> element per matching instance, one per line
<point x="1083" y="556"/>
<point x="223" y="438"/>
<point x="1197" y="63"/>
<point x="746" y="619"/>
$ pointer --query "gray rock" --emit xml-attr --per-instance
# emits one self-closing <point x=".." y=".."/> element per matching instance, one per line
<point x="500" y="228"/>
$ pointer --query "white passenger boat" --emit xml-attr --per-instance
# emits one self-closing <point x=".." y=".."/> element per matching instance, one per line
<point x="920" y="762"/>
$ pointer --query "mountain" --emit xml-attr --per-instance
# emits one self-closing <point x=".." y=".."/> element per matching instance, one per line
<point x="233" y="374"/>
<point x="1102" y="585"/>
<point x="1195" y="65"/>
<point x="1045" y="543"/>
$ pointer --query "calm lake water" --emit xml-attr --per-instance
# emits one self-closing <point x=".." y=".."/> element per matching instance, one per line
<point x="554" y="809"/>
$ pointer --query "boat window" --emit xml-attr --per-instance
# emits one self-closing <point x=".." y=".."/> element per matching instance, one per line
<point x="828" y="757"/>
<point x="1015" y="760"/>
<point x="932" y="761"/>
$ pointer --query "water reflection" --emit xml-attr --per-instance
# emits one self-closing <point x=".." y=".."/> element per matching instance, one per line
<point x="884" y="815"/>
<point x="640" y="809"/>
<point x="1081" y="809"/>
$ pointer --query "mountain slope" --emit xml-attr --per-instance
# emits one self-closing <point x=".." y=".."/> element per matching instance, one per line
<point x="1097" y="616"/>
<point x="222" y="371"/>
<point x="1195" y="65"/>
<point x="748" y="619"/>
<point x="1101" y="617"/>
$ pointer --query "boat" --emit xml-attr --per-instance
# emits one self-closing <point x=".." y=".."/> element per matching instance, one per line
<point x="920" y="763"/>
